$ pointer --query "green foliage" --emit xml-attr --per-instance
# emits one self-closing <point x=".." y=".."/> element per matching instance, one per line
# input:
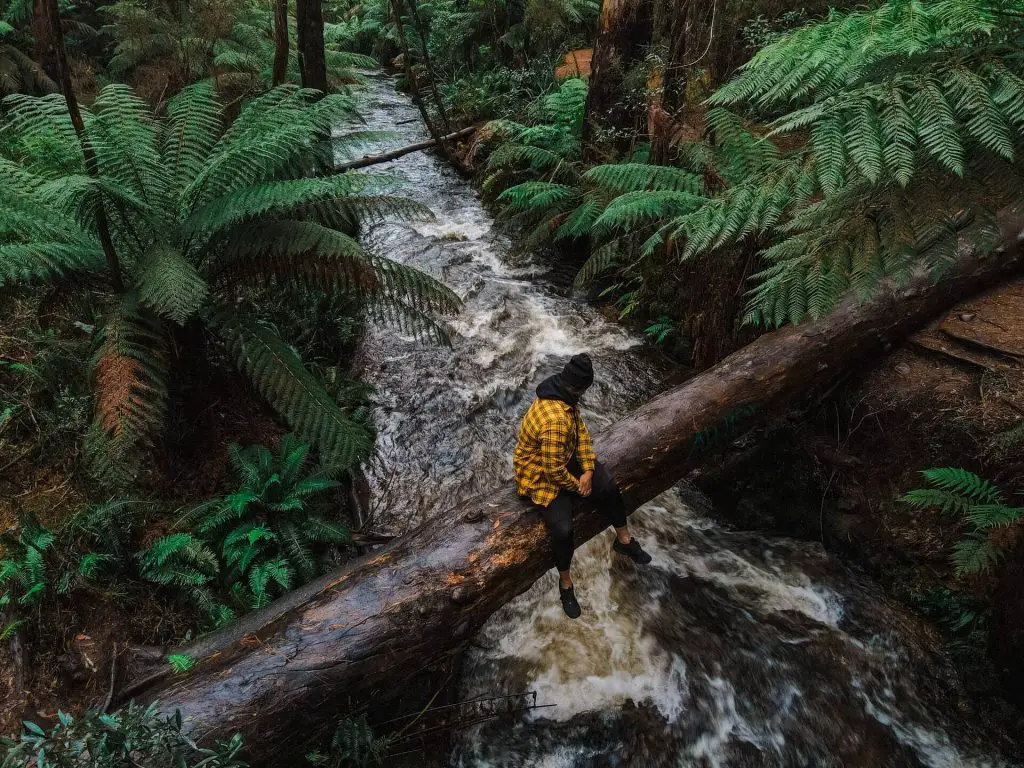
<point x="660" y="330"/>
<point x="244" y="62"/>
<point x="489" y="58"/>
<point x="134" y="736"/>
<point x="977" y="502"/>
<point x="19" y="73"/>
<point x="185" y="563"/>
<point x="867" y="146"/>
<point x="200" y="210"/>
<point x="39" y="562"/>
<point x="354" y="745"/>
<point x="45" y="398"/>
<point x="962" y="618"/>
<point x="181" y="662"/>
<point x="253" y="545"/>
<point x="23" y="571"/>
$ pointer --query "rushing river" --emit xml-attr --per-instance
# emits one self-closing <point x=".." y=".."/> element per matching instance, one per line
<point x="732" y="649"/>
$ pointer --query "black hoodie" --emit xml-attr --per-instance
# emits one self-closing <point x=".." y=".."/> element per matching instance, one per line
<point x="552" y="388"/>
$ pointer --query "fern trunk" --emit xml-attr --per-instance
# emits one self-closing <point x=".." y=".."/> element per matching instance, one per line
<point x="282" y="676"/>
<point x="52" y="14"/>
<point x="309" y="20"/>
<point x="280" y="72"/>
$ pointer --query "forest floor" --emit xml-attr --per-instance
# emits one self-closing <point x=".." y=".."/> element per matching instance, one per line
<point x="70" y="641"/>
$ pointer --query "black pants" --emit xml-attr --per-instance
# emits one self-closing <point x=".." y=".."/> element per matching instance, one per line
<point x="558" y="514"/>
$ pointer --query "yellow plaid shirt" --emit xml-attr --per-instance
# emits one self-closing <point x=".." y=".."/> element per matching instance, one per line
<point x="548" y="439"/>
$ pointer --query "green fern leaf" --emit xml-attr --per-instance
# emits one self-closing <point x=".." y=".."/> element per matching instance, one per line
<point x="280" y="377"/>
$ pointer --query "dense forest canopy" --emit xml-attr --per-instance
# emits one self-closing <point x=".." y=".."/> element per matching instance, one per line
<point x="177" y="238"/>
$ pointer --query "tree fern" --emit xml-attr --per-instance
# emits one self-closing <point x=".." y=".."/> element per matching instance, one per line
<point x="199" y="210"/>
<point x="978" y="502"/>
<point x="856" y="149"/>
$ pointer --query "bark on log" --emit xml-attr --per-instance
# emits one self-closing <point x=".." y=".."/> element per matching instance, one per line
<point x="283" y="675"/>
<point x="384" y="157"/>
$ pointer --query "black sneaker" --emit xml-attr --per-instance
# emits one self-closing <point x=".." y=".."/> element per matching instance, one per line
<point x="569" y="605"/>
<point x="633" y="551"/>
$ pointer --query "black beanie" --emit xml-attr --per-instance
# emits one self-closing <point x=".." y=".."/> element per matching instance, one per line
<point x="579" y="373"/>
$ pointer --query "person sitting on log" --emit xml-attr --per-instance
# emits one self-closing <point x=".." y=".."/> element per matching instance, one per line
<point x="555" y="464"/>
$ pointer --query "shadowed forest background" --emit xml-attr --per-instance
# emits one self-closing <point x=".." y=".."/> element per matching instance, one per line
<point x="190" y="289"/>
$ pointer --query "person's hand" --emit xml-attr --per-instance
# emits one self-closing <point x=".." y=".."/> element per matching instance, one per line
<point x="586" y="483"/>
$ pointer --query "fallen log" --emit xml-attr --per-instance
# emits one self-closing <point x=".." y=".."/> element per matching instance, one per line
<point x="283" y="675"/>
<point x="394" y="154"/>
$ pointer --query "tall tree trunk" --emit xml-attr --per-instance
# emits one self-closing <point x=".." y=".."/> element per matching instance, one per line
<point x="309" y="20"/>
<point x="89" y="156"/>
<point x="421" y="31"/>
<point x="44" y="46"/>
<point x="281" y="42"/>
<point x="283" y="675"/>
<point x="410" y="74"/>
<point x="623" y="36"/>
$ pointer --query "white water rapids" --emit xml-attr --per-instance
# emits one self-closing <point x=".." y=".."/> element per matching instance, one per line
<point x="732" y="649"/>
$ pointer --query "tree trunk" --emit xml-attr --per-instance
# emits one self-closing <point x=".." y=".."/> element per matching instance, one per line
<point x="394" y="154"/>
<point x="52" y="13"/>
<point x="410" y="74"/>
<point x="309" y="19"/>
<point x="283" y="675"/>
<point x="414" y="12"/>
<point x="623" y="38"/>
<point x="44" y="45"/>
<point x="281" y="42"/>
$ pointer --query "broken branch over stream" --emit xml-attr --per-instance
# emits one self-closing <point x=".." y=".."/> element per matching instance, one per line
<point x="283" y="675"/>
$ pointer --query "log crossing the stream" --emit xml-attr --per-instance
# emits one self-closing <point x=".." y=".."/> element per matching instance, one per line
<point x="282" y="676"/>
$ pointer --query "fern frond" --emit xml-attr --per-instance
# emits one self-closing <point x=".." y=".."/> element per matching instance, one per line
<point x="280" y="377"/>
<point x="170" y="286"/>
<point x="601" y="260"/>
<point x="964" y="483"/>
<point x="636" y="177"/>
<point x="130" y="381"/>
<point x="633" y="209"/>
<point x="974" y="554"/>
<point x="194" y="123"/>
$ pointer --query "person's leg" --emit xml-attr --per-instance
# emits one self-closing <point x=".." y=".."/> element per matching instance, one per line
<point x="609" y="502"/>
<point x="558" y="520"/>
